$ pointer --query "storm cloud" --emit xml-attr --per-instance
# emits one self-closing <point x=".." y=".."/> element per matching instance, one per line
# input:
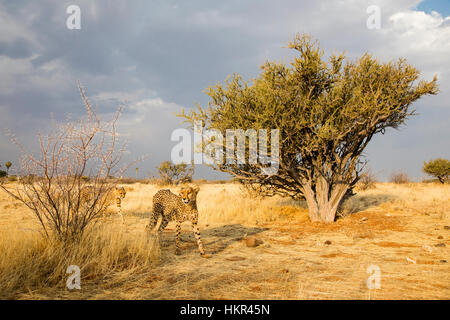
<point x="158" y="56"/>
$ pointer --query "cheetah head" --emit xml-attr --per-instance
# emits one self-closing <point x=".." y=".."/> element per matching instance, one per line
<point x="121" y="192"/>
<point x="189" y="194"/>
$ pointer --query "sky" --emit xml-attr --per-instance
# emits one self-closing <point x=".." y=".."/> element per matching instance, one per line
<point x="157" y="57"/>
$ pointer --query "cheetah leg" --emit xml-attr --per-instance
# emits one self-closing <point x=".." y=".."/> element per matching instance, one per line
<point x="177" y="238"/>
<point x="158" y="224"/>
<point x="157" y="212"/>
<point x="164" y="224"/>
<point x="119" y="208"/>
<point x="120" y="214"/>
<point x="197" y="237"/>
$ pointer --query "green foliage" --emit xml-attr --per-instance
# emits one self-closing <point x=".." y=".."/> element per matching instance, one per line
<point x="326" y="111"/>
<point x="8" y="165"/>
<point x="2" y="174"/>
<point x="438" y="168"/>
<point x="171" y="173"/>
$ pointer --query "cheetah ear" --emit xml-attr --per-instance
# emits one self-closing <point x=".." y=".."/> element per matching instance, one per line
<point x="196" y="188"/>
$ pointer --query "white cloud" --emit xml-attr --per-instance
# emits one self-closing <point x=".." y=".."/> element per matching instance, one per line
<point x="417" y="31"/>
<point x="18" y="74"/>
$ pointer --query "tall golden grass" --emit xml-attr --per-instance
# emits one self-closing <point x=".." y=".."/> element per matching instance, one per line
<point x="106" y="254"/>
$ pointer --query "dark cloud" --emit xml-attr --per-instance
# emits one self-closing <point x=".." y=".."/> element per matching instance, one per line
<point x="142" y="51"/>
<point x="17" y="49"/>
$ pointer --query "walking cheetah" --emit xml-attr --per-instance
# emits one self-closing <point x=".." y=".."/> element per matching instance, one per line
<point x="168" y="206"/>
<point x="115" y="196"/>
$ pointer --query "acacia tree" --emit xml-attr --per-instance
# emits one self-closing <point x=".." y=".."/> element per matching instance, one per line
<point x="8" y="165"/>
<point x="438" y="168"/>
<point x="326" y="113"/>
<point x="171" y="173"/>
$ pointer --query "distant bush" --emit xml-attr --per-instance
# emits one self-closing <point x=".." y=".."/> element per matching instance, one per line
<point x="399" y="177"/>
<point x="200" y="181"/>
<point x="170" y="173"/>
<point x="430" y="181"/>
<point x="438" y="168"/>
<point x="12" y="178"/>
<point x="130" y="180"/>
<point x="221" y="181"/>
<point x="205" y="181"/>
<point x="157" y="181"/>
<point x="367" y="180"/>
<point x="2" y="173"/>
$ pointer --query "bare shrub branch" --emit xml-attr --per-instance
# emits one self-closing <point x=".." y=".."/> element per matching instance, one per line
<point x="67" y="185"/>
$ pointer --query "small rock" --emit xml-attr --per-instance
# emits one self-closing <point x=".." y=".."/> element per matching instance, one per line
<point x="440" y="237"/>
<point x="427" y="248"/>
<point x="410" y="260"/>
<point x="252" y="242"/>
<point x="328" y="242"/>
<point x="447" y="227"/>
<point x="444" y="261"/>
<point x="440" y="245"/>
<point x="285" y="271"/>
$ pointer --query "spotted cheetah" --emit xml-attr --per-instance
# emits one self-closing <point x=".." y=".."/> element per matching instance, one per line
<point x="168" y="206"/>
<point x="116" y="195"/>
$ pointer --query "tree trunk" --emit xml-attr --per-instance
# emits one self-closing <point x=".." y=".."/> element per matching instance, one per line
<point x="323" y="203"/>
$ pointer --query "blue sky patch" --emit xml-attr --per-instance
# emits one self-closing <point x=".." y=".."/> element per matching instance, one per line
<point x="441" y="6"/>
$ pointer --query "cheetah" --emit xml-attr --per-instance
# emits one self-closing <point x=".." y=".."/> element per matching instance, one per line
<point x="116" y="195"/>
<point x="168" y="206"/>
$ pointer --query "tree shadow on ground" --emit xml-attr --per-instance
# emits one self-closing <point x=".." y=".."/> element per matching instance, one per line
<point x="142" y="215"/>
<point x="293" y="203"/>
<point x="214" y="239"/>
<point x="359" y="203"/>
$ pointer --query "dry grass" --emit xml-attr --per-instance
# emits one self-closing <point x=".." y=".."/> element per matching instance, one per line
<point x="400" y="228"/>
<point x="31" y="265"/>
